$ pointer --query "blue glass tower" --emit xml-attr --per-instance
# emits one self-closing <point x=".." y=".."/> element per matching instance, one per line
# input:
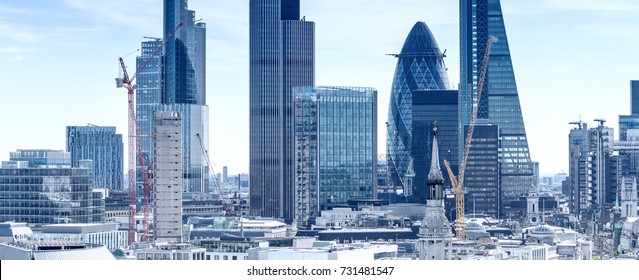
<point x="175" y="81"/>
<point x="282" y="51"/>
<point x="335" y="148"/>
<point x="480" y="19"/>
<point x="104" y="147"/>
<point x="420" y="67"/>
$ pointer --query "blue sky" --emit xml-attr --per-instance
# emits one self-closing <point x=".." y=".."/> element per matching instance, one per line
<point x="58" y="61"/>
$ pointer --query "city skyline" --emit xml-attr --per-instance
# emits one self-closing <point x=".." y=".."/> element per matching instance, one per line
<point x="582" y="52"/>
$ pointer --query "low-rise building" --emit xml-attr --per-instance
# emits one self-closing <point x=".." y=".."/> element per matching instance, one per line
<point x="53" y="250"/>
<point x="325" y="250"/>
<point x="106" y="234"/>
<point x="169" y="251"/>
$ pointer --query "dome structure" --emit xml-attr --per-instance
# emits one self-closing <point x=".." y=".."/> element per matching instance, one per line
<point x="420" y="66"/>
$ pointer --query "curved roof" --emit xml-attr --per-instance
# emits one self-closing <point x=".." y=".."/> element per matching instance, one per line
<point x="420" y="41"/>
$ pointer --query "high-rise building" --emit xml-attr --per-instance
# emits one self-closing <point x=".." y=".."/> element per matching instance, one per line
<point x="282" y="51"/>
<point x="628" y="197"/>
<point x="167" y="176"/>
<point x="104" y="147"/>
<point x="175" y="81"/>
<point x="50" y="194"/>
<point x="420" y="69"/>
<point x="579" y="176"/>
<point x="432" y="108"/>
<point x="481" y="180"/>
<point x="479" y="20"/>
<point x="335" y="148"/>
<point x="634" y="97"/>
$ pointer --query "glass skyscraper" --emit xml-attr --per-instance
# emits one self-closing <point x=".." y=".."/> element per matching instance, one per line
<point x="335" y="148"/>
<point x="175" y="81"/>
<point x="282" y="51"/>
<point x="634" y="96"/>
<point x="420" y="68"/>
<point x="482" y="170"/>
<point x="480" y="19"/>
<point x="104" y="147"/>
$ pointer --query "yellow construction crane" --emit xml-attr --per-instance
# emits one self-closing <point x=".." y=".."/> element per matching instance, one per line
<point x="457" y="183"/>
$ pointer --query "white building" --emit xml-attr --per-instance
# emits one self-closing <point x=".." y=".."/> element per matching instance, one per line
<point x="167" y="176"/>
<point x="106" y="234"/>
<point x="629" y="234"/>
<point x="325" y="250"/>
<point x="166" y="251"/>
<point x="53" y="250"/>
<point x="10" y="232"/>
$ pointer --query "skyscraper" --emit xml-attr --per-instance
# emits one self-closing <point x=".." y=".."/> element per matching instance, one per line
<point x="167" y="176"/>
<point x="634" y="97"/>
<point x="282" y="51"/>
<point x="481" y="182"/>
<point x="420" y="69"/>
<point x="175" y="81"/>
<point x="480" y="19"/>
<point x="335" y="148"/>
<point x="104" y="147"/>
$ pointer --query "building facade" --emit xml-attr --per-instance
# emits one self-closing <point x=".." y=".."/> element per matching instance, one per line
<point x="167" y="176"/>
<point x="174" y="80"/>
<point x="480" y="19"/>
<point x="420" y="67"/>
<point x="104" y="147"/>
<point x="335" y="148"/>
<point x="42" y="157"/>
<point x="51" y="195"/>
<point x="282" y="51"/>
<point x="481" y="180"/>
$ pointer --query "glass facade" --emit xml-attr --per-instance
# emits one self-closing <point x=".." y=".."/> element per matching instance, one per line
<point x="335" y="148"/>
<point x="49" y="196"/>
<point x="42" y="158"/>
<point x="634" y="97"/>
<point x="420" y="66"/>
<point x="432" y="108"/>
<point x="282" y="51"/>
<point x="174" y="80"/>
<point x="480" y="19"/>
<point x="104" y="147"/>
<point x="482" y="171"/>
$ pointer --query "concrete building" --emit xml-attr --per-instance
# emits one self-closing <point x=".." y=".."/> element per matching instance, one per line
<point x="167" y="176"/>
<point x="169" y="251"/>
<point x="10" y="232"/>
<point x="106" y="234"/>
<point x="628" y="195"/>
<point x="53" y="250"/>
<point x="230" y="248"/>
<point x="327" y="250"/>
<point x="435" y="233"/>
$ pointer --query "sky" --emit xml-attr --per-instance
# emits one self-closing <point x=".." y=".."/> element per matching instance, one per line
<point x="573" y="59"/>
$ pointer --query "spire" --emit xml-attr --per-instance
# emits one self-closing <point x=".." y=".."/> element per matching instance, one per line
<point x="435" y="172"/>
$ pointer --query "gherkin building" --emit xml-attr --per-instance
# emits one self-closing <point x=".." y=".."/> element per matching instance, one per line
<point x="420" y="68"/>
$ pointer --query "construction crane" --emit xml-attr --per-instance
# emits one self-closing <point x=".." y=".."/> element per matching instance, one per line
<point x="228" y="208"/>
<point x="458" y="182"/>
<point x="127" y="82"/>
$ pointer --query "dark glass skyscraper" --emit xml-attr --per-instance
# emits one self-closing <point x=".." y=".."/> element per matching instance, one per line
<point x="175" y="81"/>
<point x="634" y="96"/>
<point x="482" y="170"/>
<point x="104" y="147"/>
<point x="335" y="148"/>
<point x="282" y="51"/>
<point x="420" y="68"/>
<point x="480" y="19"/>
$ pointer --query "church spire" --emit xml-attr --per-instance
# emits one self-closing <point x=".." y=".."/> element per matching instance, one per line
<point x="435" y="172"/>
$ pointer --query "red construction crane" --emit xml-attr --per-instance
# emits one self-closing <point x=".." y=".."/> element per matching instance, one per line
<point x="127" y="82"/>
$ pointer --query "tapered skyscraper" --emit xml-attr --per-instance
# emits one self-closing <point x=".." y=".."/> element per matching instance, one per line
<point x="174" y="80"/>
<point x="282" y="51"/>
<point x="480" y="19"/>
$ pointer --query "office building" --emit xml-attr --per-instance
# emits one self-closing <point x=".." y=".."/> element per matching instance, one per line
<point x="481" y="180"/>
<point x="41" y="157"/>
<point x="634" y="97"/>
<point x="175" y="81"/>
<point x="167" y="176"/>
<point x="106" y="234"/>
<point x="420" y="69"/>
<point x="499" y="103"/>
<point x="59" y="250"/>
<point x="282" y="51"/>
<point x="50" y="195"/>
<point x="104" y="147"/>
<point x="335" y="148"/>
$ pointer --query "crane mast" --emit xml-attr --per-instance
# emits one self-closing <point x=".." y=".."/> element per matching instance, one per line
<point x="134" y="141"/>
<point x="458" y="182"/>
<point x="229" y="210"/>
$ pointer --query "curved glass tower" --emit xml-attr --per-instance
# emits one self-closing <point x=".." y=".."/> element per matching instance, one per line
<point x="420" y="67"/>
